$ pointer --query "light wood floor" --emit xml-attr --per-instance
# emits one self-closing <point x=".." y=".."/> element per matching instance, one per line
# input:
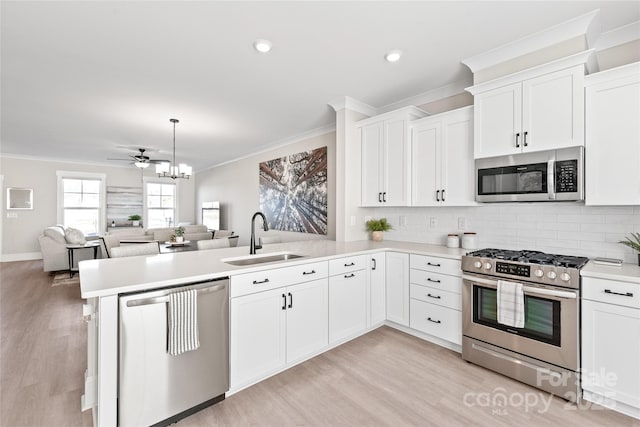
<point x="385" y="378"/>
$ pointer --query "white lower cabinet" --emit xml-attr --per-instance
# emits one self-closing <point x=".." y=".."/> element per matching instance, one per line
<point x="271" y="329"/>
<point x="347" y="303"/>
<point x="611" y="344"/>
<point x="436" y="297"/>
<point x="397" y="287"/>
<point x="377" y="297"/>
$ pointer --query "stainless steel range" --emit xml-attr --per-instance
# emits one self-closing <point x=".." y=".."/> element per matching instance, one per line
<point x="545" y="352"/>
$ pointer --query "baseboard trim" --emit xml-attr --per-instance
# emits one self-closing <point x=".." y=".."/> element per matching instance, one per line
<point x="24" y="256"/>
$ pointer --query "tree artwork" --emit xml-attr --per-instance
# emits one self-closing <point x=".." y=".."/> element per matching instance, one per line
<point x="293" y="192"/>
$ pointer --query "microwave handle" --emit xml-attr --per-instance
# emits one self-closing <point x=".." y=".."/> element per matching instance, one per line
<point x="551" y="175"/>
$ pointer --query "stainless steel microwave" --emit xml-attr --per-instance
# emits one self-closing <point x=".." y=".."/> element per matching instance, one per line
<point x="545" y="176"/>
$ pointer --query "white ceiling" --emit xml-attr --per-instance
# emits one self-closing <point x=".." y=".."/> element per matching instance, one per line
<point x="84" y="81"/>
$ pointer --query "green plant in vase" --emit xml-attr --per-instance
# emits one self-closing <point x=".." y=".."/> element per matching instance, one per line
<point x="633" y="242"/>
<point x="179" y="232"/>
<point x="376" y="227"/>
<point x="135" y="220"/>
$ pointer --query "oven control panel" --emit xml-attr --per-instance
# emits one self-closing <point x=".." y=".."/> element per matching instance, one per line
<point x="513" y="269"/>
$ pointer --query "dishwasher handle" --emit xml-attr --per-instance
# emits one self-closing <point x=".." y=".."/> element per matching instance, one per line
<point x="165" y="298"/>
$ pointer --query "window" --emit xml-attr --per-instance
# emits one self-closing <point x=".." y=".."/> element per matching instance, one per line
<point x="81" y="201"/>
<point x="161" y="205"/>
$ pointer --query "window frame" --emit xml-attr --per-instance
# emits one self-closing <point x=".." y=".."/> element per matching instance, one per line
<point x="102" y="209"/>
<point x="164" y="181"/>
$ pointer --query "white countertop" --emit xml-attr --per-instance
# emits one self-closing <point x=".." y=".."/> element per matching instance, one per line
<point x="103" y="277"/>
<point x="623" y="273"/>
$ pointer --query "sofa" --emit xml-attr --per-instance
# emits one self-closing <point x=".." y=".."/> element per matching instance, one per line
<point x="191" y="233"/>
<point x="53" y="246"/>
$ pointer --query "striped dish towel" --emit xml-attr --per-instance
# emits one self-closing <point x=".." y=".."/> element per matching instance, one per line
<point x="182" y="316"/>
<point x="510" y="304"/>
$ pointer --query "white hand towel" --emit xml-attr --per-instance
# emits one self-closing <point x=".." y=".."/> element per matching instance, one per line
<point x="182" y="316"/>
<point x="510" y="304"/>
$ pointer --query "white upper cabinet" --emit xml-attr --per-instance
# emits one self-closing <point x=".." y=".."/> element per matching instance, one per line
<point x="612" y="158"/>
<point x="442" y="159"/>
<point x="386" y="158"/>
<point x="536" y="114"/>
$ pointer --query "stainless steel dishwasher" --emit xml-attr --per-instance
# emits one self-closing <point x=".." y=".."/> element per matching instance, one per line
<point x="158" y="388"/>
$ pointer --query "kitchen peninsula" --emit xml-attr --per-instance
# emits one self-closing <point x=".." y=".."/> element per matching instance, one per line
<point x="361" y="285"/>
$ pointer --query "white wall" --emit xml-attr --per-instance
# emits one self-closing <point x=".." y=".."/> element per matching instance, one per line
<point x="562" y="228"/>
<point x="235" y="185"/>
<point x="20" y="234"/>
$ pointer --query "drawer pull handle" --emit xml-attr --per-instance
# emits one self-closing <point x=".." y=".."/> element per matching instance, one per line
<point x="304" y="273"/>
<point x="433" y="265"/>
<point x="258" y="282"/>
<point x="284" y="302"/>
<point x="625" y="294"/>
<point x="429" y="279"/>
<point x="433" y="296"/>
<point x="290" y="300"/>
<point x="349" y="276"/>
<point x="434" y="321"/>
<point x="349" y="265"/>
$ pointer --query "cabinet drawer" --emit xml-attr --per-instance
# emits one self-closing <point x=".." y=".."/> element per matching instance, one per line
<point x="435" y="264"/>
<point x="347" y="264"/>
<point x="436" y="280"/>
<point x="436" y="296"/>
<point x="439" y="321"/>
<point x="248" y="283"/>
<point x="611" y="291"/>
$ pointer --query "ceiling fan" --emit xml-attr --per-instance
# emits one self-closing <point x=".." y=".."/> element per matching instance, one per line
<point x="141" y="160"/>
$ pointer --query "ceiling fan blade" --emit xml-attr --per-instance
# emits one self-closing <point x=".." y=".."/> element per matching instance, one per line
<point x="126" y="160"/>
<point x="159" y="161"/>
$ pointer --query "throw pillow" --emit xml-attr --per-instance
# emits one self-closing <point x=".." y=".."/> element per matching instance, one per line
<point x="75" y="237"/>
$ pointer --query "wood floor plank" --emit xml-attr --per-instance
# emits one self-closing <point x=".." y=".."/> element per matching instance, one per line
<point x="384" y="378"/>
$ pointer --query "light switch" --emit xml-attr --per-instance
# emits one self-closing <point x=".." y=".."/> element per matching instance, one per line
<point x="353" y="220"/>
<point x="12" y="214"/>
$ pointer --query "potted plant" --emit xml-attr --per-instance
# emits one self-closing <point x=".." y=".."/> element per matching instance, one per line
<point x="634" y="243"/>
<point x="377" y="227"/>
<point x="179" y="234"/>
<point x="135" y="220"/>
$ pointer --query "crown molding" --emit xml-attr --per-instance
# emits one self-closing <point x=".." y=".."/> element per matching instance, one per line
<point x="436" y="94"/>
<point x="586" y="25"/>
<point x="279" y="144"/>
<point x="618" y="36"/>
<point x="346" y="102"/>
<point x="61" y="160"/>
<point x="559" y="64"/>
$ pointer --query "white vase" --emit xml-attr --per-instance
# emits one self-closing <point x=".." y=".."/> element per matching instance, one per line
<point x="376" y="236"/>
<point x="135" y="223"/>
<point x="179" y="239"/>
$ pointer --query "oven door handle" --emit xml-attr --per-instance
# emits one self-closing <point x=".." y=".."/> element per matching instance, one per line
<point x="530" y="290"/>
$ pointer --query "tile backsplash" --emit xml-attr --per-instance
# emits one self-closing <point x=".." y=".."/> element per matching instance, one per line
<point x="562" y="228"/>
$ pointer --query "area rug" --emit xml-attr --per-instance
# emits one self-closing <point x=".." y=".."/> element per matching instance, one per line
<point x="62" y="279"/>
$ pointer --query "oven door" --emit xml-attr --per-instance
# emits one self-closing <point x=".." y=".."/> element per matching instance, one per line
<point x="550" y="332"/>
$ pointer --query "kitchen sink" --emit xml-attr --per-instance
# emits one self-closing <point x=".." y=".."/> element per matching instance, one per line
<point x="262" y="258"/>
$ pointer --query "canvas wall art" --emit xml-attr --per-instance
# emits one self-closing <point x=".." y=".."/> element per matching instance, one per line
<point x="293" y="192"/>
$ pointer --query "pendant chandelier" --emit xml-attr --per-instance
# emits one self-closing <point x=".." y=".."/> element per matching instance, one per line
<point x="170" y="170"/>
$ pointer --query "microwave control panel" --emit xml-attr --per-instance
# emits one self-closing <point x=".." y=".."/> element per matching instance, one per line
<point x="566" y="176"/>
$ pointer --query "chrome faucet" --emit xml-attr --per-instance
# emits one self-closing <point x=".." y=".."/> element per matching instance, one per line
<point x="253" y="247"/>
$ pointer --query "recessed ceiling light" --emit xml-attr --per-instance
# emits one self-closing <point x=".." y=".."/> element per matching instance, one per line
<point x="393" y="56"/>
<point x="262" y="46"/>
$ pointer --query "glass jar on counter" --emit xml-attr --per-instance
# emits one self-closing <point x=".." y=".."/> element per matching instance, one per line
<point x="453" y="240"/>
<point x="469" y="241"/>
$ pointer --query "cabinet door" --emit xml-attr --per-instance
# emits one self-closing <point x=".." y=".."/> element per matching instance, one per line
<point x="397" y="287"/>
<point x="426" y="164"/>
<point x="498" y="118"/>
<point x="377" y="297"/>
<point x="307" y="319"/>
<point x="553" y="110"/>
<point x="258" y="336"/>
<point x="347" y="305"/>
<point x="372" y="164"/>
<point x="611" y="351"/>
<point x="613" y="131"/>
<point x="458" y="166"/>
<point x="397" y="161"/>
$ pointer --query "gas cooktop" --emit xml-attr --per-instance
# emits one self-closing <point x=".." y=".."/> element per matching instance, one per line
<point x="532" y="257"/>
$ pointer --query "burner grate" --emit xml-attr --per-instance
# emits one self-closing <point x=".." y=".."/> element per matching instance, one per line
<point x="532" y="257"/>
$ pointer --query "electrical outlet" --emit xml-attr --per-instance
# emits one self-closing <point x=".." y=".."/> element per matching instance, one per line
<point x="433" y="222"/>
<point x="462" y="223"/>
